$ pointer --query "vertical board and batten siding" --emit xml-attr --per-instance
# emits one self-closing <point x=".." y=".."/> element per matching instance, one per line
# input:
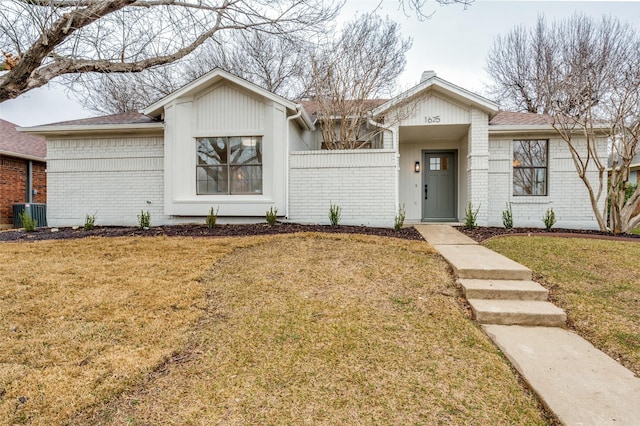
<point x="112" y="177"/>
<point x="224" y="109"/>
<point x="228" y="109"/>
<point x="361" y="182"/>
<point x="566" y="193"/>
<point x="431" y="106"/>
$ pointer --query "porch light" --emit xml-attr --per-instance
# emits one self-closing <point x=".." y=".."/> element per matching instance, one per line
<point x="516" y="162"/>
<point x="416" y="167"/>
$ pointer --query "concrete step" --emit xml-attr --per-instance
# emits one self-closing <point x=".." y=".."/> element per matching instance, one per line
<point x="478" y="262"/>
<point x="517" y="312"/>
<point x="503" y="289"/>
<point x="443" y="234"/>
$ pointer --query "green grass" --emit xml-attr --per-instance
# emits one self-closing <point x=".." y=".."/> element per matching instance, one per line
<point x="597" y="282"/>
<point x="302" y="329"/>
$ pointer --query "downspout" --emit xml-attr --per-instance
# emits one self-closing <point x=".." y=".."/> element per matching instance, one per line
<point x="29" y="182"/>
<point x="394" y="145"/>
<point x="286" y="161"/>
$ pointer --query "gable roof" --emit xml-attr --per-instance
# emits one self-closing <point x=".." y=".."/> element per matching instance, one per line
<point x="457" y="93"/>
<point x="214" y="76"/>
<point x="15" y="144"/>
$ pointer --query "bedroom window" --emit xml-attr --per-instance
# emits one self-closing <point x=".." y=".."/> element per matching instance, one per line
<point x="229" y="165"/>
<point x="530" y="161"/>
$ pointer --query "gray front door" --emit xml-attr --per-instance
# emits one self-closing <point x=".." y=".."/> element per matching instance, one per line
<point x="439" y="186"/>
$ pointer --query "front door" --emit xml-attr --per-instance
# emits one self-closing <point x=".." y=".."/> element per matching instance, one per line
<point x="439" y="186"/>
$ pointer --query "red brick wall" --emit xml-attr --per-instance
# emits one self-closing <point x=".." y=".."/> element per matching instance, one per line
<point x="12" y="185"/>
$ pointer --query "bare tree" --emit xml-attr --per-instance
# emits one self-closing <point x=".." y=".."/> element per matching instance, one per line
<point x="350" y="72"/>
<point x="51" y="38"/>
<point x="275" y="62"/>
<point x="585" y="74"/>
<point x="113" y="93"/>
<point x="421" y="9"/>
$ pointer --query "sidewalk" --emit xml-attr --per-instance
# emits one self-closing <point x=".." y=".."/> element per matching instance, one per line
<point x="577" y="382"/>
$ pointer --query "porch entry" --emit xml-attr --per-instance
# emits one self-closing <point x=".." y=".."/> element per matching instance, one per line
<point x="439" y="186"/>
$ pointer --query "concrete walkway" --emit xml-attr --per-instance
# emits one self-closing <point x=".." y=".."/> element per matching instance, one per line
<point x="578" y="383"/>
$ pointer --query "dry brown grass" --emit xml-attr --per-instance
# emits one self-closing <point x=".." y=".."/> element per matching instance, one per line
<point x="596" y="281"/>
<point x="309" y="329"/>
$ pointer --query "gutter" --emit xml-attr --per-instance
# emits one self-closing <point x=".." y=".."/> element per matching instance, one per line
<point x="534" y="128"/>
<point x="22" y="156"/>
<point x="396" y="146"/>
<point x="83" y="128"/>
<point x="297" y="115"/>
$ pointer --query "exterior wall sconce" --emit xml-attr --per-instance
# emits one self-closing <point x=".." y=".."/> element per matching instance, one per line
<point x="416" y="167"/>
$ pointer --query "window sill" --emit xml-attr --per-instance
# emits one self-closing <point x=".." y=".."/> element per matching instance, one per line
<point x="225" y="199"/>
<point x="530" y="199"/>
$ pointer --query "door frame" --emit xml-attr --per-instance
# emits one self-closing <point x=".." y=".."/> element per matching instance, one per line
<point x="455" y="184"/>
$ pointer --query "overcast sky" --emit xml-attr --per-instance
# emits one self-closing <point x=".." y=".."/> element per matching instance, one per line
<point x="454" y="43"/>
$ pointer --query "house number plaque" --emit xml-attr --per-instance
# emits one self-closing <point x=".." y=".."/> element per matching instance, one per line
<point x="432" y="119"/>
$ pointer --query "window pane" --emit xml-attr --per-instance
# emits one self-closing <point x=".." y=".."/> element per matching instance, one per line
<point x="246" y="150"/>
<point x="246" y="179"/>
<point x="212" y="151"/>
<point x="434" y="163"/>
<point x="444" y="163"/>
<point x="212" y="180"/>
<point x="529" y="181"/>
<point x="531" y="153"/>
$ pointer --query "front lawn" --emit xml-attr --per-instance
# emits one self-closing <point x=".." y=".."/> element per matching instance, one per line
<point x="301" y="329"/>
<point x="597" y="282"/>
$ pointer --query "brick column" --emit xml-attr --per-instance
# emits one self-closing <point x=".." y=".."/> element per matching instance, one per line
<point x="478" y="165"/>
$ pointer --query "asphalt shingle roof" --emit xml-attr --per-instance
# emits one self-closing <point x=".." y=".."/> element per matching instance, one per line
<point x="123" y="118"/>
<point x="519" y="119"/>
<point x="21" y="143"/>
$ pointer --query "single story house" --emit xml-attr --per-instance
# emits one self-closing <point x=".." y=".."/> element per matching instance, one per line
<point x="223" y="142"/>
<point x="22" y="170"/>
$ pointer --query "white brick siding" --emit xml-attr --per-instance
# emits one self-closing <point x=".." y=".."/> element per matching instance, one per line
<point x="361" y="182"/>
<point x="114" y="178"/>
<point x="478" y="165"/>
<point x="566" y="193"/>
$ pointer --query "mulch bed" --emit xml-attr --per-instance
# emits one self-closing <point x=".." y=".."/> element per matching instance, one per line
<point x="478" y="234"/>
<point x="202" y="231"/>
<point x="481" y="234"/>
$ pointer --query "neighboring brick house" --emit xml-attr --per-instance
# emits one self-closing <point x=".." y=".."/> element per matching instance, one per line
<point x="225" y="143"/>
<point x="23" y="176"/>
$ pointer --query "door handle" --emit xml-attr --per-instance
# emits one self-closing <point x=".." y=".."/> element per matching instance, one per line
<point x="426" y="192"/>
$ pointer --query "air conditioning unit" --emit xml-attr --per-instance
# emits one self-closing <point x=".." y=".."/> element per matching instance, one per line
<point x="37" y="211"/>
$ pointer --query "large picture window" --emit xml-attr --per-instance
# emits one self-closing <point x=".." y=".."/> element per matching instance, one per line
<point x="530" y="167"/>
<point x="229" y="165"/>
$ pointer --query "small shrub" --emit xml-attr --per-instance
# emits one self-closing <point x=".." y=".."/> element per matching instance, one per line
<point x="89" y="221"/>
<point x="399" y="219"/>
<point x="471" y="216"/>
<point x="144" y="219"/>
<point x="272" y="216"/>
<point x="28" y="223"/>
<point x="334" y="214"/>
<point x="507" y="217"/>
<point x="549" y="219"/>
<point x="212" y="218"/>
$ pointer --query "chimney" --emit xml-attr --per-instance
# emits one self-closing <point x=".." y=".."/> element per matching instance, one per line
<point x="426" y="75"/>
